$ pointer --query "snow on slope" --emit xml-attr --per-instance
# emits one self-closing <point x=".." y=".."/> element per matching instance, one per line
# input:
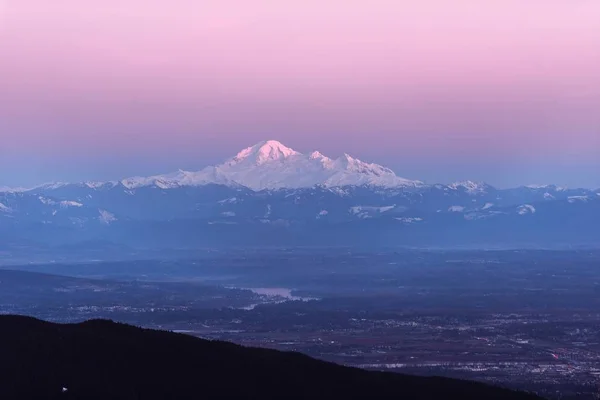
<point x="62" y="204"/>
<point x="6" y="189"/>
<point x="526" y="209"/>
<point x="272" y="165"/>
<point x="470" y="187"/>
<point x="106" y="217"/>
<point x="573" y="199"/>
<point x="181" y="178"/>
<point x="540" y="187"/>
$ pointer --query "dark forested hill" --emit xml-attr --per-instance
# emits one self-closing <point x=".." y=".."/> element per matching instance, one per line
<point x="105" y="360"/>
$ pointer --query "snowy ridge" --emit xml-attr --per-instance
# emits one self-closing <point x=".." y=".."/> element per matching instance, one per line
<point x="6" y="189"/>
<point x="99" y="185"/>
<point x="470" y="186"/>
<point x="573" y="199"/>
<point x="540" y="187"/>
<point x="61" y="204"/>
<point x="51" y="186"/>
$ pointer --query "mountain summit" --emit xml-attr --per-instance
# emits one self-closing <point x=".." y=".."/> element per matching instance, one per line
<point x="272" y="165"/>
<point x="260" y="153"/>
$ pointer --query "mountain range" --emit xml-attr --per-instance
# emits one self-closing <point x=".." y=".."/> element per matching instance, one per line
<point x="270" y="194"/>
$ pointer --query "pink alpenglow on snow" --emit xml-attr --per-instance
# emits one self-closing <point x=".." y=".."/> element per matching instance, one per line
<point x="272" y="165"/>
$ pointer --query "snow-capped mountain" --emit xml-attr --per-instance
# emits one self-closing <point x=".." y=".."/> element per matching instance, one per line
<point x="271" y="194"/>
<point x="272" y="165"/>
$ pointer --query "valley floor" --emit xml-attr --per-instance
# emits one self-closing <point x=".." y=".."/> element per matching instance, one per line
<point x="522" y="319"/>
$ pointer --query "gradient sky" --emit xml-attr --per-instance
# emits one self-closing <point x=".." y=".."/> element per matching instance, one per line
<point x="506" y="91"/>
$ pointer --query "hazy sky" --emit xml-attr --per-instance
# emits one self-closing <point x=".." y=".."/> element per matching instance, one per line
<point x="506" y="91"/>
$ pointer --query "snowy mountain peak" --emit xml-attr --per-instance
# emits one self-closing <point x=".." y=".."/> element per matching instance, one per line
<point x="316" y="155"/>
<point x="272" y="165"/>
<point x="266" y="151"/>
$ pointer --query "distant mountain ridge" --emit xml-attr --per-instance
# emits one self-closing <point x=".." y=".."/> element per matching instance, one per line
<point x="272" y="165"/>
<point x="271" y="194"/>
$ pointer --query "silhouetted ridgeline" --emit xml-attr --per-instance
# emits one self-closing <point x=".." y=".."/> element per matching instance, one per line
<point x="105" y="360"/>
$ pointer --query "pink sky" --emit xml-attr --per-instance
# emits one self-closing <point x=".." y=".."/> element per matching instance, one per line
<point x="432" y="81"/>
